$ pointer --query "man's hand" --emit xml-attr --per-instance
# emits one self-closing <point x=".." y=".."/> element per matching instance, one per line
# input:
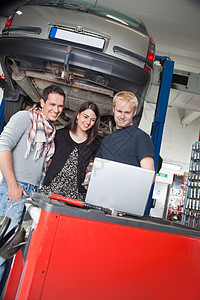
<point x="16" y="193"/>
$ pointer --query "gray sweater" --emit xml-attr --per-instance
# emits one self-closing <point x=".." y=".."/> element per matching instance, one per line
<point x="14" y="138"/>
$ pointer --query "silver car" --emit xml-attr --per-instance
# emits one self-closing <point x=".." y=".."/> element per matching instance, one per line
<point x="90" y="50"/>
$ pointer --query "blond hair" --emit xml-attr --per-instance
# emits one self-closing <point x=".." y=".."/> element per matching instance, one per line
<point x="126" y="96"/>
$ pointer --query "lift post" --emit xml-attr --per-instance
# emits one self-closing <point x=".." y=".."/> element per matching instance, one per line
<point x="2" y="122"/>
<point x="160" y="113"/>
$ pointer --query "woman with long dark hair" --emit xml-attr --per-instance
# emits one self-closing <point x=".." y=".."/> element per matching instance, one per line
<point x="76" y="145"/>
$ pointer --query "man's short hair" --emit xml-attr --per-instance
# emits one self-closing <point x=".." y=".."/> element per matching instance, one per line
<point x="126" y="96"/>
<point x="52" y="89"/>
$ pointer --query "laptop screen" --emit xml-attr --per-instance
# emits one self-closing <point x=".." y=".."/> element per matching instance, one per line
<point x="119" y="186"/>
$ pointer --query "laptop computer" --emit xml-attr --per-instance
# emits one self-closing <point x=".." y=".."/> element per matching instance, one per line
<point x="118" y="186"/>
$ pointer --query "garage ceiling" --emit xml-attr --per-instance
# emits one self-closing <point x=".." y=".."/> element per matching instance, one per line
<point x="175" y="27"/>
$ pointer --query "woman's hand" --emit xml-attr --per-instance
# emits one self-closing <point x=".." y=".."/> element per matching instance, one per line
<point x="87" y="180"/>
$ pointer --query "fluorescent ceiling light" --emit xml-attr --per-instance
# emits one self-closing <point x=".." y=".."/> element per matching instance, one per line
<point x="171" y="166"/>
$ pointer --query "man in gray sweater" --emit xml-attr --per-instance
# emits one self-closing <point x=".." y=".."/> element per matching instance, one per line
<point x="26" y="146"/>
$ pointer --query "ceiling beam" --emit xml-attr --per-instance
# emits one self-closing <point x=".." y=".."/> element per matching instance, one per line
<point x="190" y="118"/>
<point x="182" y="80"/>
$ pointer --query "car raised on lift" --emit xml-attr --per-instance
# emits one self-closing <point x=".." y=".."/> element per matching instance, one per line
<point x="91" y="51"/>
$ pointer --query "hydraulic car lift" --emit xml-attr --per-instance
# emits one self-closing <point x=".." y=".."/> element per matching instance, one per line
<point x="2" y="122"/>
<point x="160" y="113"/>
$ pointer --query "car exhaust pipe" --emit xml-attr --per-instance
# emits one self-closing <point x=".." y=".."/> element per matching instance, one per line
<point x="19" y="76"/>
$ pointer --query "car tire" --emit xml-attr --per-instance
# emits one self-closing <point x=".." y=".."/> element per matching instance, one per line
<point x="11" y="107"/>
<point x="137" y="118"/>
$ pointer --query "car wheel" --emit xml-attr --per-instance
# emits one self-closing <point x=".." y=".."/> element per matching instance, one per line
<point x="11" y="107"/>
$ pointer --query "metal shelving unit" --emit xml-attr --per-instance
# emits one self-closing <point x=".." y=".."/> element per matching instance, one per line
<point x="191" y="209"/>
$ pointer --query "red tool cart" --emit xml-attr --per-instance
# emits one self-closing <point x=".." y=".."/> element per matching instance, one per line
<point x="76" y="253"/>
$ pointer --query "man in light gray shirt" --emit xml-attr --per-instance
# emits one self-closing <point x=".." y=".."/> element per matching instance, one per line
<point x="26" y="146"/>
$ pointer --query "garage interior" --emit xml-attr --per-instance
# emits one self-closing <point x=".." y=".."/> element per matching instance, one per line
<point x="174" y="26"/>
<point x="175" y="29"/>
